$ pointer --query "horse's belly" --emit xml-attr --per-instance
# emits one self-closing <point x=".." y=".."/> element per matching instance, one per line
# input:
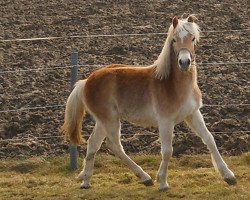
<point x="142" y="119"/>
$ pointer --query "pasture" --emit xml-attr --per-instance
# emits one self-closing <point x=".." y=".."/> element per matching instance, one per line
<point x="35" y="74"/>
<point x="191" y="177"/>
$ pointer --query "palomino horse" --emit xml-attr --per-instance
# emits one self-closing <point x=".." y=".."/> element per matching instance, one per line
<point x="160" y="95"/>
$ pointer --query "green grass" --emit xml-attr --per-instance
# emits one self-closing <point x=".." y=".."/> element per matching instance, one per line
<point x="190" y="177"/>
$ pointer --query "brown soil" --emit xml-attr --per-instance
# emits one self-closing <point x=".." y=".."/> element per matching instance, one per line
<point x="220" y="84"/>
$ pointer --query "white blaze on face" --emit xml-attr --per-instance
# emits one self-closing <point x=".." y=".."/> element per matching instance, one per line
<point x="183" y="33"/>
<point x="184" y="55"/>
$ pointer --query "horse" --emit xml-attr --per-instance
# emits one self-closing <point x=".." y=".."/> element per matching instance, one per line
<point x="160" y="95"/>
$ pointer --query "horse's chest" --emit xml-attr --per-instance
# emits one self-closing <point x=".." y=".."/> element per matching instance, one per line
<point x="189" y="105"/>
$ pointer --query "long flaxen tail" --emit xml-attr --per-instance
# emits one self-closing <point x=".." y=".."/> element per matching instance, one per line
<point x="74" y="114"/>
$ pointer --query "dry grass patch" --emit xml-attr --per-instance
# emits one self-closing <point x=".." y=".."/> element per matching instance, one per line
<point x="190" y="177"/>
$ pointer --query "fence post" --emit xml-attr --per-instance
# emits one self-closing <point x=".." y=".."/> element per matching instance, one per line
<point x="73" y="78"/>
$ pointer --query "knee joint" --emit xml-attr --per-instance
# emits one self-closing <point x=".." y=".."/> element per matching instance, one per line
<point x="208" y="139"/>
<point x="167" y="152"/>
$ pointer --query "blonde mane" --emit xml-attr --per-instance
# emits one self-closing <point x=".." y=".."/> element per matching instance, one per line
<point x="163" y="62"/>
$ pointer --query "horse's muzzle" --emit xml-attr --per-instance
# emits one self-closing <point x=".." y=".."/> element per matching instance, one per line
<point x="184" y="59"/>
<point x="184" y="64"/>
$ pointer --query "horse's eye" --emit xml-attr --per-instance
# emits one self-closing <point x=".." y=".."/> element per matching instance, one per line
<point x="174" y="40"/>
<point x="193" y="39"/>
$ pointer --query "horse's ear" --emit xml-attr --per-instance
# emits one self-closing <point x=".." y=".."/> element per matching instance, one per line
<point x="175" y="21"/>
<point x="192" y="18"/>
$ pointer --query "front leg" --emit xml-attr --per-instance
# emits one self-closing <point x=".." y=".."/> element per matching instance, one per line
<point x="166" y="136"/>
<point x="197" y="124"/>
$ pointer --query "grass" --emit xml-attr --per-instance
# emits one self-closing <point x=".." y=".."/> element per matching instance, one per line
<point x="190" y="177"/>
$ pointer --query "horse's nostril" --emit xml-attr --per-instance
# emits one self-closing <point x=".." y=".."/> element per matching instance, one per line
<point x="184" y="63"/>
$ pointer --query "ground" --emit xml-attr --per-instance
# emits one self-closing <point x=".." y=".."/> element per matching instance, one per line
<point x="29" y="132"/>
<point x="190" y="177"/>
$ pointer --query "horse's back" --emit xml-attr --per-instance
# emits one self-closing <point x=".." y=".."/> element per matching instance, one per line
<point x="119" y="90"/>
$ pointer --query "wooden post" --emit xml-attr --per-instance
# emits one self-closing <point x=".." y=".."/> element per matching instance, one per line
<point x="73" y="78"/>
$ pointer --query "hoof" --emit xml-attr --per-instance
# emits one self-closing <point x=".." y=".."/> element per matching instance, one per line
<point x="148" y="182"/>
<point x="85" y="186"/>
<point x="231" y="181"/>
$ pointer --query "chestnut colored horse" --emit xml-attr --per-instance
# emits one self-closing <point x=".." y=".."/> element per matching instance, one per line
<point x="160" y="95"/>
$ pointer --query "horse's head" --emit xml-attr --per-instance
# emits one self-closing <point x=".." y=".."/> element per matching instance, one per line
<point x="185" y="35"/>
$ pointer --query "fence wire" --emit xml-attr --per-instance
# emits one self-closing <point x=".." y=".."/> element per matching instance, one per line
<point x="63" y="105"/>
<point x="112" y="35"/>
<point x="128" y="134"/>
<point x="40" y="68"/>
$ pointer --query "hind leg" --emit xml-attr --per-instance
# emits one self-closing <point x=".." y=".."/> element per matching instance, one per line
<point x="114" y="143"/>
<point x="94" y="144"/>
